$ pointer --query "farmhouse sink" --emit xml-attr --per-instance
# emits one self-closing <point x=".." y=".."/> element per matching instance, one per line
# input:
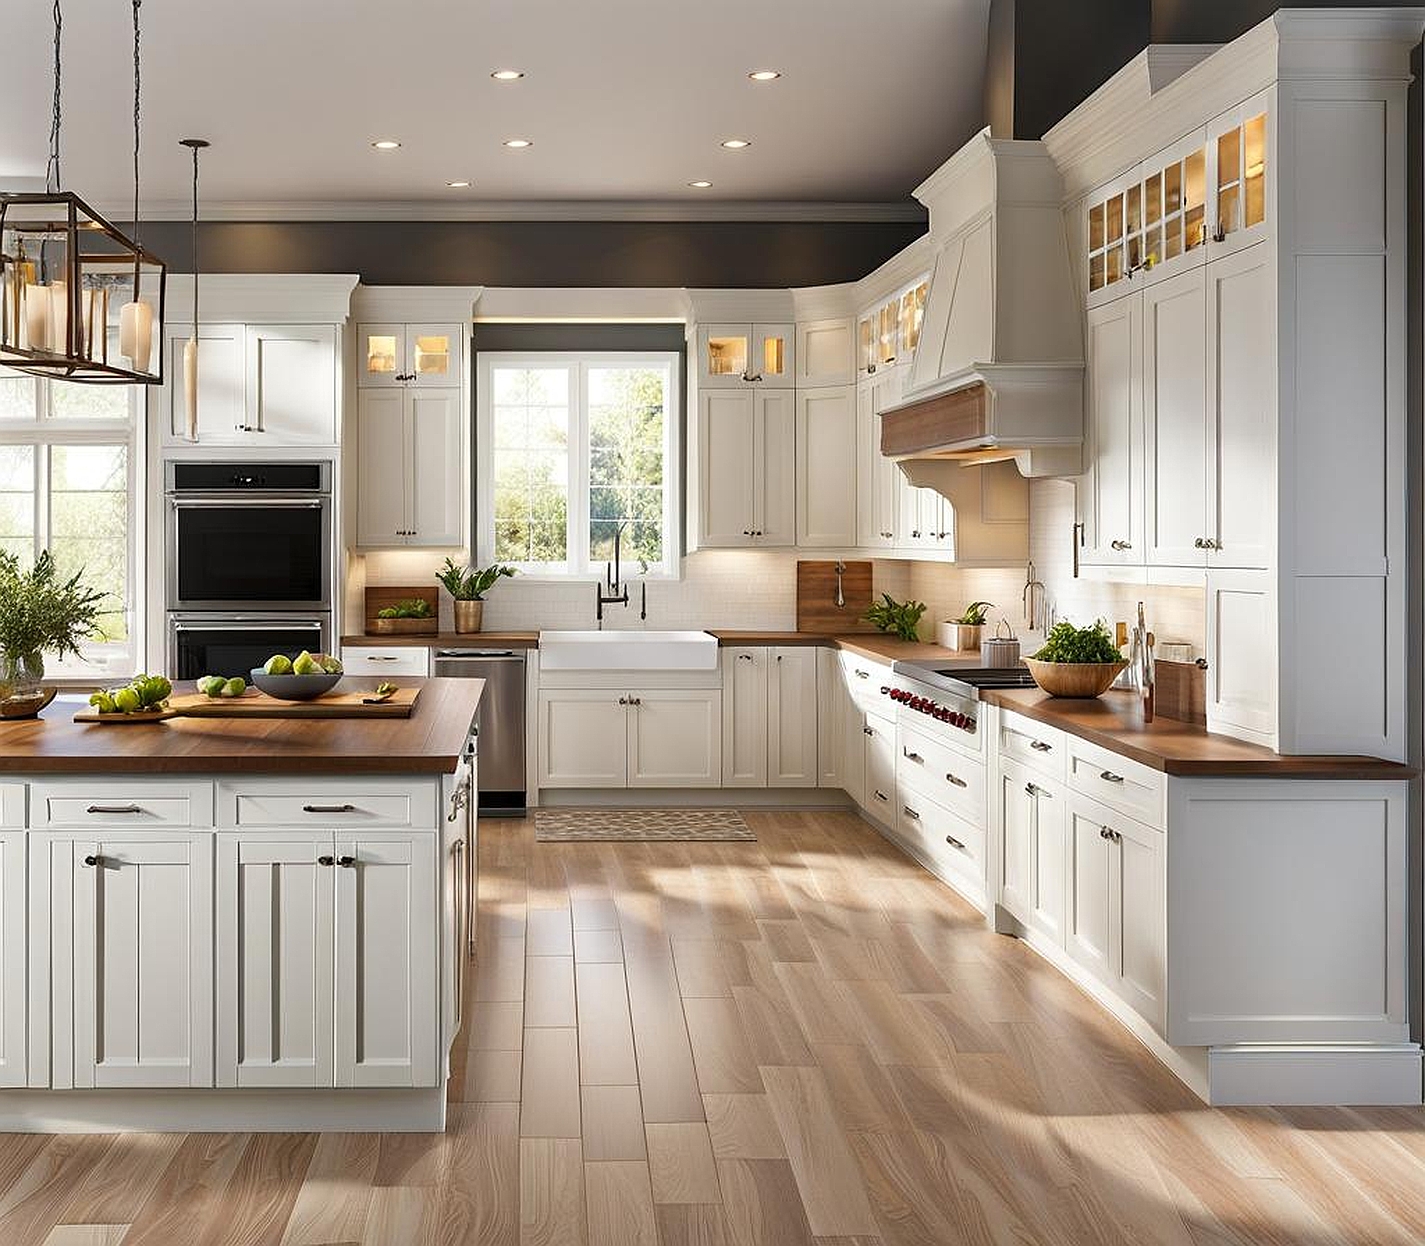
<point x="627" y="651"/>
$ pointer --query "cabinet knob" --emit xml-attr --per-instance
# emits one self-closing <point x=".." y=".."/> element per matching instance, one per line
<point x="346" y="863"/>
<point x="867" y="731"/>
<point x="94" y="860"/>
<point x="744" y="657"/>
<point x="623" y="700"/>
<point x="325" y="860"/>
<point x="1120" y="545"/>
<point x="746" y="531"/>
<point x="1109" y="834"/>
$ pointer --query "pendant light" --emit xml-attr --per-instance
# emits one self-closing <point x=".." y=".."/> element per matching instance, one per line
<point x="190" y="348"/>
<point x="65" y="271"/>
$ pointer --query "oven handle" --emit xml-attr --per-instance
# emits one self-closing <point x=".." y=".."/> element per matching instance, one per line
<point x="246" y="499"/>
<point x="247" y="627"/>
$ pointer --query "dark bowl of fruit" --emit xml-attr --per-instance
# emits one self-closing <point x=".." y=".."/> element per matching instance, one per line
<point x="303" y="678"/>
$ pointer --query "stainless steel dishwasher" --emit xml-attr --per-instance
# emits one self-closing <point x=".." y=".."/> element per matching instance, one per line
<point x="500" y="721"/>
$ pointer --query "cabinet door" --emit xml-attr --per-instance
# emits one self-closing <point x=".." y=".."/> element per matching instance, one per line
<point x="1241" y="161"/>
<point x="826" y="353"/>
<point x="744" y="717"/>
<point x="727" y="485"/>
<point x="1242" y="655"/>
<point x="291" y="383"/>
<point x="1046" y="863"/>
<point x="675" y="738"/>
<point x="854" y="735"/>
<point x="880" y="740"/>
<point x="826" y="467"/>
<point x="583" y="738"/>
<point x="1175" y="424"/>
<point x="1089" y="935"/>
<point x="380" y="355"/>
<point x="143" y="960"/>
<point x="221" y="378"/>
<point x="275" y="913"/>
<point x="1016" y="819"/>
<point x="1242" y="404"/>
<point x="830" y="720"/>
<point x="921" y="521"/>
<point x="871" y="528"/>
<point x="1114" y="510"/>
<point x="383" y="468"/>
<point x="724" y="356"/>
<point x="773" y="361"/>
<point x="387" y="967"/>
<point x="1175" y="208"/>
<point x="14" y="917"/>
<point x="881" y="480"/>
<point x="775" y="468"/>
<point x="435" y="355"/>
<point x="436" y="418"/>
<point x="1139" y="917"/>
<point x="791" y="717"/>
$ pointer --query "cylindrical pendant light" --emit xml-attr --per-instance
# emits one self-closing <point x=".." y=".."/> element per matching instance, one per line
<point x="190" y="348"/>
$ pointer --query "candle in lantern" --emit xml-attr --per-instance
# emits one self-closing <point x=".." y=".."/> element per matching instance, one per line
<point x="136" y="334"/>
<point x="37" y="316"/>
<point x="59" y="317"/>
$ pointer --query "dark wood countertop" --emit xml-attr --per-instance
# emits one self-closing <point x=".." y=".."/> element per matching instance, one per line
<point x="451" y="640"/>
<point x="429" y="742"/>
<point x="1115" y="721"/>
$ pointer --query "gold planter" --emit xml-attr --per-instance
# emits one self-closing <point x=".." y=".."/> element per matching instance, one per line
<point x="469" y="615"/>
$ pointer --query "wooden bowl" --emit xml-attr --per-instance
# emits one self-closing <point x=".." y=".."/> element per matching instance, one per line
<point x="1074" y="679"/>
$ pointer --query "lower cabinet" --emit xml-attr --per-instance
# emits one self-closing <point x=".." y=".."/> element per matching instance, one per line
<point x="1031" y="818"/>
<point x="770" y="714"/>
<point x="597" y="737"/>
<point x="880" y="748"/>
<point x="13" y="950"/>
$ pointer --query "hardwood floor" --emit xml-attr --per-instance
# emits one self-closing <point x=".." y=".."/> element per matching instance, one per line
<point x="802" y="1040"/>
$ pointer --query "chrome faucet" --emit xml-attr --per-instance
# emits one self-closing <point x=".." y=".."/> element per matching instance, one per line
<point x="618" y="591"/>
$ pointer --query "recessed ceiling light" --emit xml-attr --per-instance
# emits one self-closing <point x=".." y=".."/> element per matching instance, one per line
<point x="765" y="75"/>
<point x="519" y="142"/>
<point x="385" y="144"/>
<point x="700" y="185"/>
<point x="457" y="185"/>
<point x="507" y="75"/>
<point x="736" y="144"/>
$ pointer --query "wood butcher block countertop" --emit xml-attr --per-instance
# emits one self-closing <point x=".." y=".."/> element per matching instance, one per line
<point x="451" y="640"/>
<point x="428" y="742"/>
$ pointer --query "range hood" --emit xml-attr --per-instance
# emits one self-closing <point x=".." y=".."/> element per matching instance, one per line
<point x="999" y="370"/>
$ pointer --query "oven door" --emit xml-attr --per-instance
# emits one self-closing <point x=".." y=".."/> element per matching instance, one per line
<point x="255" y="552"/>
<point x="228" y="647"/>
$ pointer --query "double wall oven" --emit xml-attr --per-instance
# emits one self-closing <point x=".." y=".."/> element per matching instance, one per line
<point x="249" y="563"/>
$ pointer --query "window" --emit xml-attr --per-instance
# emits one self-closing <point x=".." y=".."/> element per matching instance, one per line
<point x="571" y="447"/>
<point x="67" y="470"/>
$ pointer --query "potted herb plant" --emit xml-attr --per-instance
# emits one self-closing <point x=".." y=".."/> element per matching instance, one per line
<point x="899" y="618"/>
<point x="40" y="613"/>
<point x="1076" y="661"/>
<point x="468" y="587"/>
<point x="964" y="632"/>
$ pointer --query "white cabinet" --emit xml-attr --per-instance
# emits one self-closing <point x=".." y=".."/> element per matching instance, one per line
<point x="386" y="660"/>
<point x="410" y="354"/>
<point x="143" y="959"/>
<point x="826" y="467"/>
<point x="744" y="716"/>
<point x="831" y="721"/>
<point x="747" y="479"/>
<point x="222" y="381"/>
<point x="826" y="353"/>
<point x="1242" y="655"/>
<point x="13" y="952"/>
<point x="1031" y="818"/>
<point x="740" y="356"/>
<point x="410" y="467"/>
<point x="791" y="717"/>
<point x="879" y="480"/>
<point x="675" y="738"/>
<point x="583" y="738"/>
<point x="1112" y="509"/>
<point x="880" y="795"/>
<point x="924" y="521"/>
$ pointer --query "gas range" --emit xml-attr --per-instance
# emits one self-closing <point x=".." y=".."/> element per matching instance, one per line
<point x="965" y="681"/>
<point x="947" y="695"/>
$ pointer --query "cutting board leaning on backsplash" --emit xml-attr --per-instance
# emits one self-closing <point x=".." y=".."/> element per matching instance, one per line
<point x="817" y="611"/>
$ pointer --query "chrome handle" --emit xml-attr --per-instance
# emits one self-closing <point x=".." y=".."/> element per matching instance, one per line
<point x="746" y="531"/>
<point x="1108" y="833"/>
<point x="1041" y="746"/>
<point x="623" y="700"/>
<point x="888" y="535"/>
<point x="94" y="860"/>
<point x="125" y="809"/>
<point x="1120" y="545"/>
<point x="909" y="756"/>
<point x="346" y="863"/>
<point x="910" y="813"/>
<point x="744" y="657"/>
<point x="880" y="795"/>
<point x="382" y="657"/>
<point x="915" y="534"/>
<point x="955" y="843"/>
<point x="325" y="860"/>
<point x="955" y="779"/>
<point x="1033" y="789"/>
<point x="1198" y="543"/>
<point x="867" y="731"/>
<point x="1109" y="777"/>
<point x="860" y="674"/>
<point x="328" y="808"/>
<point x="635" y="700"/>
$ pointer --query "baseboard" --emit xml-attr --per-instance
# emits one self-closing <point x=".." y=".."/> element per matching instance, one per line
<point x="222" y="1111"/>
<point x="1327" y="1074"/>
<point x="789" y="799"/>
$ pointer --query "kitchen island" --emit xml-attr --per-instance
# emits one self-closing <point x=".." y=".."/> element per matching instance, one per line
<point x="223" y="924"/>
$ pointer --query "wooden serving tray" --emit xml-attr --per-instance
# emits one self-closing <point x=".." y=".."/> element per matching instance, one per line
<point x="332" y="705"/>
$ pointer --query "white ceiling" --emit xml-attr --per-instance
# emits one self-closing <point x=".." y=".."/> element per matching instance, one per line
<point x="625" y="100"/>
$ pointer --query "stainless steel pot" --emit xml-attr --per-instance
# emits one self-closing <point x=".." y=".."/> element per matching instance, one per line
<point x="1000" y="650"/>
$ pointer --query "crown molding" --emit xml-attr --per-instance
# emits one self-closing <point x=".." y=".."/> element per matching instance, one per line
<point x="296" y="298"/>
<point x="517" y="210"/>
<point x="406" y="304"/>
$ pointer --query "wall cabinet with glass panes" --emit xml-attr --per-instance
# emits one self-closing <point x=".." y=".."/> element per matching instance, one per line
<point x="423" y="355"/>
<point x="1205" y="196"/>
<point x="888" y="333"/>
<point x="739" y="356"/>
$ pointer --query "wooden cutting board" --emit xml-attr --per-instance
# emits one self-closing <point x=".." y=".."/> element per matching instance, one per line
<point x="333" y="705"/>
<point x="817" y="611"/>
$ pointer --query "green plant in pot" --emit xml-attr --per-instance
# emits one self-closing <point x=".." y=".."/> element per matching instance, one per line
<point x="468" y="587"/>
<point x="40" y="613"/>
<point x="899" y="618"/>
<point x="1076" y="661"/>
<point x="964" y="632"/>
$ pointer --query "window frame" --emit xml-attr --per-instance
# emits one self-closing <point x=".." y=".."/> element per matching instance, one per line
<point x="44" y="431"/>
<point x="579" y="568"/>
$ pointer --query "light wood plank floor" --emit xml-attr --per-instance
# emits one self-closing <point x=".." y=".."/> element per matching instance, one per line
<point x="802" y="1040"/>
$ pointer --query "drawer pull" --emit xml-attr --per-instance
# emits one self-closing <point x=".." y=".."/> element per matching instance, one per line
<point x="915" y="757"/>
<point x="1033" y="789"/>
<point x="1041" y="746"/>
<point x="880" y="795"/>
<point x="125" y="809"/>
<point x="867" y="731"/>
<point x="1109" y="777"/>
<point x="346" y="863"/>
<point x="860" y="674"/>
<point x="328" y="808"/>
<point x="94" y="860"/>
<point x="326" y="860"/>
<point x="382" y="657"/>
<point x="744" y="657"/>
<point x="955" y="779"/>
<point x="910" y="813"/>
<point x="1108" y="833"/>
<point x="954" y="843"/>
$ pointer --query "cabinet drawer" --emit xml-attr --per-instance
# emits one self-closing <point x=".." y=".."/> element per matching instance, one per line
<point x="947" y="842"/>
<point x="12" y="806"/>
<point x="134" y="806"/>
<point x="941" y="773"/>
<point x="1117" y="782"/>
<point x="354" y="805"/>
<point x="382" y="660"/>
<point x="864" y="681"/>
<point x="1040" y="747"/>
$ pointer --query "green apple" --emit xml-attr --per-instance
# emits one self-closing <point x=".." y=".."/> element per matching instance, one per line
<point x="102" y="702"/>
<point x="305" y="664"/>
<point x="234" y="687"/>
<point x="126" y="700"/>
<point x="152" y="690"/>
<point x="278" y="664"/>
<point x="331" y="666"/>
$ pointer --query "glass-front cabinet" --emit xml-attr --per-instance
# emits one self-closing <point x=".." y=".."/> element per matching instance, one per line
<point x="410" y="354"/>
<point x="736" y="355"/>
<point x="1205" y="195"/>
<point x="888" y="333"/>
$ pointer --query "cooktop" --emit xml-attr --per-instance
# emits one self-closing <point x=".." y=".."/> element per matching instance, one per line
<point x="967" y="681"/>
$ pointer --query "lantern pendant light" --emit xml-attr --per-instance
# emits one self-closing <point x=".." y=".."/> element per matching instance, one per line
<point x="63" y="268"/>
<point x="190" y="348"/>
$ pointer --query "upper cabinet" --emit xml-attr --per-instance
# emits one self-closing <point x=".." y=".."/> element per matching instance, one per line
<point x="735" y="356"/>
<point x="1241" y="159"/>
<point x="888" y="333"/>
<point x="747" y="478"/>
<point x="826" y="353"/>
<point x="410" y="354"/>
